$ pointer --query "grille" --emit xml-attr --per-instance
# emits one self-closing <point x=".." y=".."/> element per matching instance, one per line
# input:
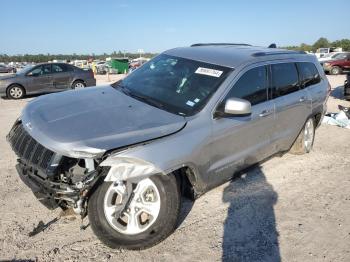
<point x="28" y="149"/>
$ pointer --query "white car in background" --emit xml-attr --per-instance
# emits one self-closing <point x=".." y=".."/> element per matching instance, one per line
<point x="331" y="56"/>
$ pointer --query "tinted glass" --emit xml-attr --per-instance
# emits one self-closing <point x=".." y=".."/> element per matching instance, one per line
<point x="41" y="70"/>
<point x="308" y="74"/>
<point x="284" y="79"/>
<point x="60" y="68"/>
<point x="178" y="85"/>
<point x="251" y="86"/>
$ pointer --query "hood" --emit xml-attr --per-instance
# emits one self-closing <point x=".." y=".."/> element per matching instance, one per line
<point x="93" y="120"/>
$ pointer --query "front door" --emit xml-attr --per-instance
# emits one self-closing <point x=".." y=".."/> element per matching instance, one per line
<point x="39" y="79"/>
<point x="239" y="141"/>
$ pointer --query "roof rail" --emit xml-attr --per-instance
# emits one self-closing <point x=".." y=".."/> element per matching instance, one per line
<point x="218" y="44"/>
<point x="277" y="53"/>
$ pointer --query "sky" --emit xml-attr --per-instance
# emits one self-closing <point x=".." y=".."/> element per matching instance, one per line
<point x="102" y="26"/>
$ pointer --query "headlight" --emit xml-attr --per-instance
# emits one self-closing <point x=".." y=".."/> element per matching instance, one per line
<point x="326" y="64"/>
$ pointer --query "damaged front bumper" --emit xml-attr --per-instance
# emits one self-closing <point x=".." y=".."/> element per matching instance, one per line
<point x="56" y="180"/>
<point x="41" y="188"/>
<point x="53" y="194"/>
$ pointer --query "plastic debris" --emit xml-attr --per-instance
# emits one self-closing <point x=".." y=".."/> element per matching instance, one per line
<point x="338" y="119"/>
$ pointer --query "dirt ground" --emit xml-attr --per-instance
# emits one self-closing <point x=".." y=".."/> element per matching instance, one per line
<point x="291" y="208"/>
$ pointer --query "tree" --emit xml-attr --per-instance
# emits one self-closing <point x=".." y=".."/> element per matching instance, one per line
<point x="321" y="42"/>
<point x="305" y="47"/>
<point x="344" y="43"/>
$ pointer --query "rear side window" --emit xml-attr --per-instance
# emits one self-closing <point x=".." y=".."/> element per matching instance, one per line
<point x="252" y="86"/>
<point x="284" y="79"/>
<point x="308" y="74"/>
<point x="60" y="68"/>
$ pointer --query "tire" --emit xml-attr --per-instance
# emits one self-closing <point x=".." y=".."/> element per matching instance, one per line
<point x="78" y="84"/>
<point x="162" y="226"/>
<point x="335" y="70"/>
<point x="305" y="140"/>
<point x="15" y="92"/>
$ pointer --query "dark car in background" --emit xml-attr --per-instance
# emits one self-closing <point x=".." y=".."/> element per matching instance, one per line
<point x="7" y="69"/>
<point x="338" y="65"/>
<point x="45" y="78"/>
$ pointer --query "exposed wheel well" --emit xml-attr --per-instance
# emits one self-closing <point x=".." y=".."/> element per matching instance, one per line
<point x="186" y="178"/>
<point x="15" y="84"/>
<point x="317" y="118"/>
<point x="79" y="80"/>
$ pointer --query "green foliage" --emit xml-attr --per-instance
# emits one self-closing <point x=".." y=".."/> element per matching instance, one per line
<point x="39" y="58"/>
<point x="344" y="43"/>
<point x="322" y="42"/>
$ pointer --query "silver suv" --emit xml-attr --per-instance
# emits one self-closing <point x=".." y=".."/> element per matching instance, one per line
<point x="183" y="123"/>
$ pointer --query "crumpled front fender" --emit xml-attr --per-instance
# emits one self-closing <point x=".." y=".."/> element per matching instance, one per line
<point x="129" y="168"/>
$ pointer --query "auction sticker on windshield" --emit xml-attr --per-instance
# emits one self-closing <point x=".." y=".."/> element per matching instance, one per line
<point x="208" y="72"/>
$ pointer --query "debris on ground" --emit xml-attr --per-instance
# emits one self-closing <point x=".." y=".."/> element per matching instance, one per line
<point x="341" y="119"/>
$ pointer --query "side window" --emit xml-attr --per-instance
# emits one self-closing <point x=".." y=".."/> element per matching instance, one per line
<point x="60" y="68"/>
<point x="308" y="74"/>
<point x="37" y="71"/>
<point x="47" y="69"/>
<point x="284" y="79"/>
<point x="251" y="86"/>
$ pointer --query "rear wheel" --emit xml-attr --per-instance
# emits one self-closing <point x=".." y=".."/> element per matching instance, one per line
<point x="146" y="216"/>
<point x="336" y="70"/>
<point x="78" y="85"/>
<point x="304" y="142"/>
<point x="15" y="92"/>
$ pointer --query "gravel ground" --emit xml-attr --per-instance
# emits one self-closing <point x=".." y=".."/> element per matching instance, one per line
<point x="291" y="208"/>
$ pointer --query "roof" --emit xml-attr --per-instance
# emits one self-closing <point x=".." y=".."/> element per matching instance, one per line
<point x="229" y="55"/>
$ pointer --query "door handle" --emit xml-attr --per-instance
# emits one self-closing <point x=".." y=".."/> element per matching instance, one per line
<point x="265" y="113"/>
<point x="302" y="99"/>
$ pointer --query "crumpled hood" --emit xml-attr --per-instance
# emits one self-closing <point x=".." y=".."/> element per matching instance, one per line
<point x="95" y="120"/>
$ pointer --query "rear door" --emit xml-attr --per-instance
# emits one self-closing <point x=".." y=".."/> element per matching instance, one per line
<point x="292" y="104"/>
<point x="62" y="76"/>
<point x="39" y="79"/>
<point x="316" y="87"/>
<point x="239" y="141"/>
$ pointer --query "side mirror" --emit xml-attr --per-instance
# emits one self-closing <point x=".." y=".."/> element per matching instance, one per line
<point x="234" y="107"/>
<point x="33" y="74"/>
<point x="237" y="106"/>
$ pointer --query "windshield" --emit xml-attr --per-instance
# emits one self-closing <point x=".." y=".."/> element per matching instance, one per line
<point x="25" y="69"/>
<point x="178" y="85"/>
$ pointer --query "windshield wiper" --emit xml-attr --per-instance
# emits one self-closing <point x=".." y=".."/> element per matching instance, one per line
<point x="147" y="100"/>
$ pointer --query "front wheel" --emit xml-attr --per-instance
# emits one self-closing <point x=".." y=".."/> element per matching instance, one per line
<point x="305" y="141"/>
<point x="145" y="218"/>
<point x="15" y="92"/>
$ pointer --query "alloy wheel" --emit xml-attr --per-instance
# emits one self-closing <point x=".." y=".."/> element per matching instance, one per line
<point x="140" y="211"/>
